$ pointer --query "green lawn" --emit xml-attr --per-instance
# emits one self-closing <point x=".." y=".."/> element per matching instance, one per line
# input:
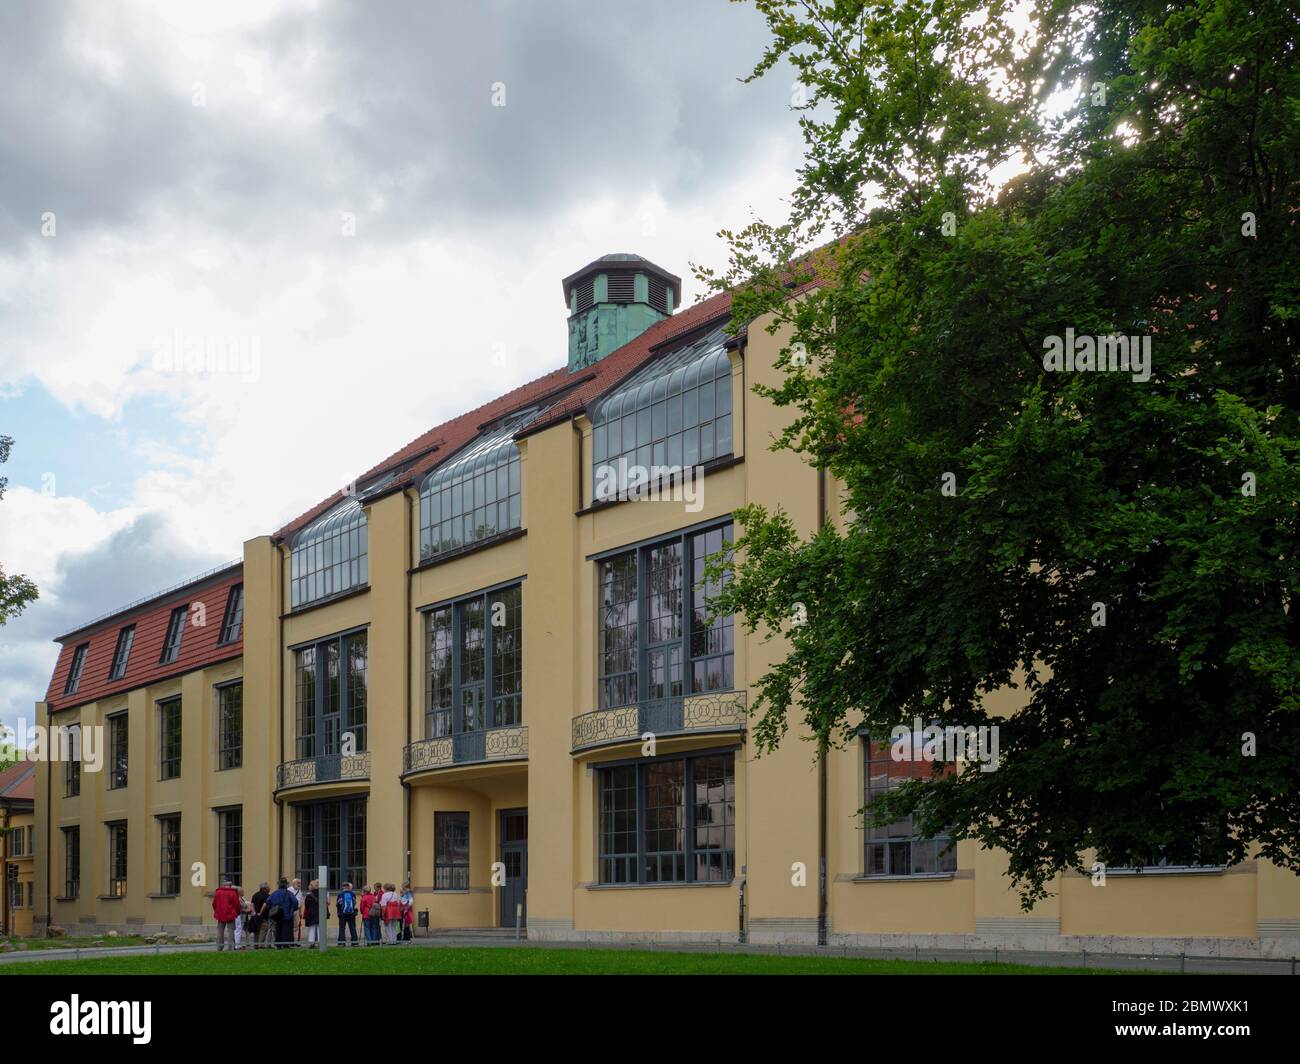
<point x="510" y="961"/>
<point x="97" y="942"/>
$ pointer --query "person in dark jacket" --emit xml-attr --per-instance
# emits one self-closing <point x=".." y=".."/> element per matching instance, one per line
<point x="311" y="913"/>
<point x="282" y="906"/>
<point x="258" y="925"/>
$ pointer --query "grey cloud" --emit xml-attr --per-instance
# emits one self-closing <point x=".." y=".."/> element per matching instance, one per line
<point x="144" y="557"/>
<point x="602" y="99"/>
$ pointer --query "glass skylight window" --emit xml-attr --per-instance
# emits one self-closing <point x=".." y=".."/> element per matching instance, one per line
<point x="475" y="495"/>
<point x="329" y="556"/>
<point x="672" y="414"/>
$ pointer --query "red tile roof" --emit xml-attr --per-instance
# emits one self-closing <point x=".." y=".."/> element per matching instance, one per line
<point x="199" y="646"/>
<point x="18" y="782"/>
<point x="418" y="457"/>
<point x="570" y="393"/>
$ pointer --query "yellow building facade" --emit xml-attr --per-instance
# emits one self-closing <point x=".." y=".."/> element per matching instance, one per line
<point x="479" y="671"/>
<point x="18" y="849"/>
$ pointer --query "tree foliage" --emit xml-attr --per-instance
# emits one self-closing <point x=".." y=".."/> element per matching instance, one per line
<point x="1161" y="203"/>
<point x="15" y="591"/>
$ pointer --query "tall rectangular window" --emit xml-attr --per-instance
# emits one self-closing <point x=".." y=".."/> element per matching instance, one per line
<point x="122" y="652"/>
<point x="354" y="708"/>
<point x="117" y="859"/>
<point x="670" y="820"/>
<point x="118" y="736"/>
<point x="232" y="621"/>
<point x="72" y="766"/>
<point x="169" y="737"/>
<point x="305" y="700"/>
<point x="230" y="726"/>
<point x="440" y="688"/>
<point x="332" y="833"/>
<point x="619" y="628"/>
<point x="896" y="849"/>
<point x="74" y="673"/>
<point x="230" y="845"/>
<point x="618" y="833"/>
<point x="71" y="862"/>
<point x="451" y="851"/>
<point x="169" y="855"/>
<point x="474" y="664"/>
<point x="712" y="644"/>
<point x="175" y="631"/>
<point x="657" y="640"/>
<point x="18" y="842"/>
<point x="330" y="694"/>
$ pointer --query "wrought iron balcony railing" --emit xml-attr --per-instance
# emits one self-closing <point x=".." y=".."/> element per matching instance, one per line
<point x="324" y="768"/>
<point x="468" y="748"/>
<point x="718" y="711"/>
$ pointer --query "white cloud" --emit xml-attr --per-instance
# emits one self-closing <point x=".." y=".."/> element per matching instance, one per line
<point x="224" y="221"/>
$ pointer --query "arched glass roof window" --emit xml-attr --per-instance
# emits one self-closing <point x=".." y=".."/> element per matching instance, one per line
<point x="474" y="495"/>
<point x="671" y="414"/>
<point x="329" y="556"/>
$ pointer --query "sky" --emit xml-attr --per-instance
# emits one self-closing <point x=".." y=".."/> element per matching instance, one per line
<point x="370" y="205"/>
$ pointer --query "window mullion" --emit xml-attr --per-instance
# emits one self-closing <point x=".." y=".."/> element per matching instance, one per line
<point x="688" y="818"/>
<point x="456" y="723"/>
<point x="640" y="825"/>
<point x="642" y="625"/>
<point x="688" y="597"/>
<point x="489" y="654"/>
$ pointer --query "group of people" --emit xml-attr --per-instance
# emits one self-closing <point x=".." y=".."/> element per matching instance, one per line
<point x="281" y="918"/>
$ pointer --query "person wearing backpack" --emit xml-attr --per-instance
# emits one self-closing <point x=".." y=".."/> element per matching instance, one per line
<point x="225" y="907"/>
<point x="346" y="907"/>
<point x="281" y="908"/>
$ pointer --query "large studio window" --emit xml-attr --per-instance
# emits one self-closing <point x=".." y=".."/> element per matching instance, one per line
<point x="656" y="640"/>
<point x="672" y="820"/>
<point x="330" y="695"/>
<point x="475" y="660"/>
<point x="896" y="849"/>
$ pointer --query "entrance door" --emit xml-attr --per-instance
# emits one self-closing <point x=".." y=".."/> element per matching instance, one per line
<point x="514" y="855"/>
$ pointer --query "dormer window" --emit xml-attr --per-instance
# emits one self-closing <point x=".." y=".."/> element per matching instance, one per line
<point x="175" y="632"/>
<point x="232" y="621"/>
<point x="122" y="652"/>
<point x="74" y="674"/>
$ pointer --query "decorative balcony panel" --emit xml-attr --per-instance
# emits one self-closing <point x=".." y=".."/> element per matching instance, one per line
<point x="718" y="711"/>
<point x="325" y="768"/>
<point x="467" y="748"/>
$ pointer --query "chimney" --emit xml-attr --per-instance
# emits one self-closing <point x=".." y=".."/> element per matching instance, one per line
<point x="614" y="300"/>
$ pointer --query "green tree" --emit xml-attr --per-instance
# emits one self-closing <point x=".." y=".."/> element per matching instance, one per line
<point x="15" y="591"/>
<point x="1162" y="205"/>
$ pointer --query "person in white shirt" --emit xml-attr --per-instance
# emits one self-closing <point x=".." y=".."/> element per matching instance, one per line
<point x="390" y="900"/>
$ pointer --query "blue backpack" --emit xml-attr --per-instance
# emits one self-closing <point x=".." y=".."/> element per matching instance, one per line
<point x="347" y="903"/>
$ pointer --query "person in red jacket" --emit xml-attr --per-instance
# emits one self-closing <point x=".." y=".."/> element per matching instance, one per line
<point x="225" y="907"/>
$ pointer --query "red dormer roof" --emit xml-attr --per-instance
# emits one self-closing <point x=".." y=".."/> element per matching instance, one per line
<point x="572" y="390"/>
<point x="199" y="646"/>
